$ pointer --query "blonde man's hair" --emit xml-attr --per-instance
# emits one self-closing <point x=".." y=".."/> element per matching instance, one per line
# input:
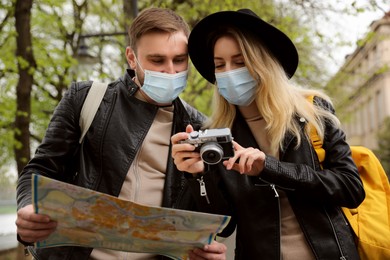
<point x="156" y="20"/>
<point x="278" y="100"/>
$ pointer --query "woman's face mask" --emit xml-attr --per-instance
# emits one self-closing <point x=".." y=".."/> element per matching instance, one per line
<point x="237" y="86"/>
<point x="163" y="88"/>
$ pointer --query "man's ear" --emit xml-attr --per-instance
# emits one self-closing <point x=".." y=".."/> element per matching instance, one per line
<point x="130" y="57"/>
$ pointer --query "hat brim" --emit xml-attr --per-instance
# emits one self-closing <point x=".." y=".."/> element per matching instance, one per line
<point x="276" y="41"/>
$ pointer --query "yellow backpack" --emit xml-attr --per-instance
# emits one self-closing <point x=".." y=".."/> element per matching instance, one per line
<point x="371" y="220"/>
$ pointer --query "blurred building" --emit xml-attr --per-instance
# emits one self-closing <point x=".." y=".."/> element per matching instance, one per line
<point x="361" y="88"/>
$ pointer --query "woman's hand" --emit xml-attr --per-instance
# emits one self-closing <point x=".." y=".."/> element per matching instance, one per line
<point x="215" y="250"/>
<point x="184" y="155"/>
<point x="251" y="160"/>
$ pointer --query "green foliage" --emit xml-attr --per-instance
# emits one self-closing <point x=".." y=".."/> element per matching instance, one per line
<point x="7" y="114"/>
<point x="57" y="27"/>
<point x="198" y="92"/>
<point x="383" y="151"/>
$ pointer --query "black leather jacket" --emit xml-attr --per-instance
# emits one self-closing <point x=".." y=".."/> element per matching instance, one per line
<point x="107" y="152"/>
<point x="315" y="195"/>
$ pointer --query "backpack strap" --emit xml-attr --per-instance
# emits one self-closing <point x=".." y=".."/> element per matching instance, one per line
<point x="90" y="106"/>
<point x="315" y="139"/>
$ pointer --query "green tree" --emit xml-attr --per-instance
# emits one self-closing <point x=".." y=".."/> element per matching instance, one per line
<point x="59" y="27"/>
<point x="46" y="36"/>
<point x="383" y="151"/>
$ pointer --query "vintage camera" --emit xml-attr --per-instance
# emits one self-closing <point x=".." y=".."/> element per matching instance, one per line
<point x="212" y="144"/>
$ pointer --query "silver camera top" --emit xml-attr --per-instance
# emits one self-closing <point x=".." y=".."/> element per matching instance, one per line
<point x="212" y="144"/>
<point x="220" y="135"/>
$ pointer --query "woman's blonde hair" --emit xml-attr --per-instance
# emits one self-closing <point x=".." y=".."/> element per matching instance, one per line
<point x="278" y="100"/>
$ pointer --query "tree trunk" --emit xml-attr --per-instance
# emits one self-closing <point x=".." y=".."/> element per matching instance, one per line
<point x="24" y="54"/>
<point x="130" y="11"/>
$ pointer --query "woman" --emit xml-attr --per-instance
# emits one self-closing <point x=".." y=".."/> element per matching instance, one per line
<point x="283" y="204"/>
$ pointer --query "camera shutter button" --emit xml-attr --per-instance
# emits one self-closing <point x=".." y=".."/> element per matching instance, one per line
<point x="194" y="134"/>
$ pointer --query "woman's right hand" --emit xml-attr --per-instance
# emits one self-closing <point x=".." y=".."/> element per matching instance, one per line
<point x="251" y="160"/>
<point x="184" y="155"/>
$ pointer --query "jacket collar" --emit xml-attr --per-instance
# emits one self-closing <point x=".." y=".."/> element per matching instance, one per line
<point x="290" y="138"/>
<point x="127" y="79"/>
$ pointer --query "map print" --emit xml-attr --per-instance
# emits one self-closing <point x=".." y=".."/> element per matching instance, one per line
<point x="93" y="219"/>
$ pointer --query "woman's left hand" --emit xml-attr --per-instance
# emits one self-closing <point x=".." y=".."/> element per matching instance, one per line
<point x="251" y="160"/>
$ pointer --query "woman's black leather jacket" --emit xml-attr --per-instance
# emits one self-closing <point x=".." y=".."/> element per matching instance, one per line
<point x="315" y="195"/>
<point x="107" y="151"/>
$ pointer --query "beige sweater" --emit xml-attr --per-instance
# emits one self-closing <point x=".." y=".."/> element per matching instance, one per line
<point x="144" y="182"/>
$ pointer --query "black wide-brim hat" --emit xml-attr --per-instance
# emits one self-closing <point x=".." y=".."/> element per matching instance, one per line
<point x="202" y="53"/>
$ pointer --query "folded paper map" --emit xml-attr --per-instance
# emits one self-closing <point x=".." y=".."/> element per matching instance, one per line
<point x="93" y="219"/>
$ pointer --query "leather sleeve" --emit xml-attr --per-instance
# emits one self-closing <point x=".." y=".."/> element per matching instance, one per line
<point x="60" y="143"/>
<point x="338" y="183"/>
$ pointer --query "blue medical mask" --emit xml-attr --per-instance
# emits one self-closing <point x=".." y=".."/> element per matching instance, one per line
<point x="237" y="86"/>
<point x="163" y="88"/>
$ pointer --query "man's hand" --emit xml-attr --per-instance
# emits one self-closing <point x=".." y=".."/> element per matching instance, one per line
<point x="214" y="251"/>
<point x="183" y="154"/>
<point x="33" y="227"/>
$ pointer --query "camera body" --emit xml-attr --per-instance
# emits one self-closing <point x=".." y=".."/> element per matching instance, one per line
<point x="212" y="144"/>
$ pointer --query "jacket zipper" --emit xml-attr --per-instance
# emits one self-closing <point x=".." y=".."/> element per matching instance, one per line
<point x="26" y="252"/>
<point x="273" y="187"/>
<point x="276" y="192"/>
<point x="32" y="252"/>
<point x="342" y="257"/>
<point x="203" y="192"/>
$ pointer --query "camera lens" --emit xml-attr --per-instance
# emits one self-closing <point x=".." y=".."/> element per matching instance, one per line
<point x="211" y="153"/>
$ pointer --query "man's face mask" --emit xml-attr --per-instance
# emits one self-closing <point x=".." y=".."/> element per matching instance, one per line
<point x="237" y="86"/>
<point x="163" y="88"/>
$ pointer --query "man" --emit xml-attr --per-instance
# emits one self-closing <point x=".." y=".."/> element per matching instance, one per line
<point x="126" y="152"/>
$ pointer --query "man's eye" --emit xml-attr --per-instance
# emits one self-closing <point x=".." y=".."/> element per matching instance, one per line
<point x="157" y="61"/>
<point x="218" y="66"/>
<point x="180" y="60"/>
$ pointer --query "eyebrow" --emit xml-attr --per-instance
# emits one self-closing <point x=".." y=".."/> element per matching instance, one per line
<point x="182" y="55"/>
<point x="164" y="56"/>
<point x="234" y="56"/>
